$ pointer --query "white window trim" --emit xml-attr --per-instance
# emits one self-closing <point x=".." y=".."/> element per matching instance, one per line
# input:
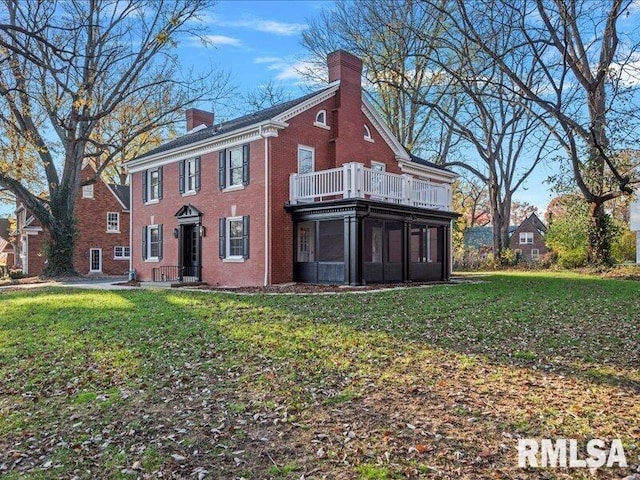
<point x="121" y="257"/>
<point x="87" y="197"/>
<point x="535" y="253"/>
<point x="525" y="236"/>
<point x="320" y="124"/>
<point x="148" y="246"/>
<point x="117" y="230"/>
<point x="233" y="188"/>
<point x="91" y="270"/>
<point x="313" y="156"/>
<point x="227" y="166"/>
<point x="151" y="201"/>
<point x="367" y="134"/>
<point x="383" y="165"/>
<point x="227" y="240"/>
<point x="188" y="192"/>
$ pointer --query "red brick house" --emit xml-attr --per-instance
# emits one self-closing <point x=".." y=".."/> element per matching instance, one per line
<point x="314" y="190"/>
<point x="6" y="248"/>
<point x="102" y="244"/>
<point x="528" y="241"/>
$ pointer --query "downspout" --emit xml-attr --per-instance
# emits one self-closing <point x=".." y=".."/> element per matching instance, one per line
<point x="130" y="225"/>
<point x="267" y="210"/>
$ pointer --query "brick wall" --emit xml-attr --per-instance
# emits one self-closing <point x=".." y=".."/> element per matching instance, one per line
<point x="214" y="204"/>
<point x="91" y="217"/>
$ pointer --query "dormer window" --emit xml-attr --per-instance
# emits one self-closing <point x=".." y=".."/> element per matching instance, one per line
<point x="321" y="119"/>
<point x="367" y="134"/>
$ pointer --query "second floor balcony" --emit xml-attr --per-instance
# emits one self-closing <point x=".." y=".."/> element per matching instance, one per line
<point x="354" y="180"/>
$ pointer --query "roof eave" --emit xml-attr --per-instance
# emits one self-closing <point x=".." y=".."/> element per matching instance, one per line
<point x="184" y="151"/>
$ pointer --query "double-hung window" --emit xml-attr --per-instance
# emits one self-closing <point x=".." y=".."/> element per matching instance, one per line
<point x="87" y="191"/>
<point x="526" y="238"/>
<point x="234" y="238"/>
<point x="113" y="222"/>
<point x="152" y="185"/>
<point x="306" y="159"/>
<point x="121" y="253"/>
<point x="189" y="175"/>
<point x="152" y="242"/>
<point x="233" y="169"/>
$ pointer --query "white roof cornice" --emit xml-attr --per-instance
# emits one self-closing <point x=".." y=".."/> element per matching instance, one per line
<point x="307" y="104"/>
<point x="208" y="145"/>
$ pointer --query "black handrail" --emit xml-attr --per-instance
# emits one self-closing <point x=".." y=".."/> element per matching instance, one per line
<point x="172" y="273"/>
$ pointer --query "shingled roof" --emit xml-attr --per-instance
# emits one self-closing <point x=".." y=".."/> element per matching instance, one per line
<point x="122" y="192"/>
<point x="422" y="161"/>
<point x="231" y="125"/>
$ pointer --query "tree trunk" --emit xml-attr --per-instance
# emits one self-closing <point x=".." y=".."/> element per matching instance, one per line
<point x="61" y="240"/>
<point x="599" y="248"/>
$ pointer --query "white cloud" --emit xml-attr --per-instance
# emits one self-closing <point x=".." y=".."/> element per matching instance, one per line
<point x="628" y="73"/>
<point x="219" y="40"/>
<point x="259" y="24"/>
<point x="291" y="71"/>
<point x="267" y="60"/>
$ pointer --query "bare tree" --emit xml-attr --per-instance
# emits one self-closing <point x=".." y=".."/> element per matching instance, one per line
<point x="266" y="95"/>
<point x="385" y="34"/>
<point x="520" y="211"/>
<point x="489" y="116"/>
<point x="86" y="80"/>
<point x="473" y="200"/>
<point x="587" y="53"/>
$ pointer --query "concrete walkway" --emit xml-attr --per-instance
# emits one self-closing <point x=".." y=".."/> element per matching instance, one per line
<point x="102" y="283"/>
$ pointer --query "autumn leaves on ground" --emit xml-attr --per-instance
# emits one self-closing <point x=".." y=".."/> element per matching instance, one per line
<point x="435" y="382"/>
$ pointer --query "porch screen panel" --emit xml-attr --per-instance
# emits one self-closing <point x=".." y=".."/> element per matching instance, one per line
<point x="331" y="241"/>
<point x="373" y="241"/>
<point x="435" y="253"/>
<point x="424" y="244"/>
<point x="394" y="242"/>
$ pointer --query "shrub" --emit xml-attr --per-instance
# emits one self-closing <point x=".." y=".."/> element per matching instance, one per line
<point x="16" y="274"/>
<point x="575" y="258"/>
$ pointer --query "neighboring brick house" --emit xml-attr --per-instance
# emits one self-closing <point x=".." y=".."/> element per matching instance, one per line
<point x="528" y="241"/>
<point x="6" y="248"/>
<point x="102" y="244"/>
<point x="314" y="190"/>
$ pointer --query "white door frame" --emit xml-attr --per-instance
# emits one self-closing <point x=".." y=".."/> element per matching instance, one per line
<point x="91" y="250"/>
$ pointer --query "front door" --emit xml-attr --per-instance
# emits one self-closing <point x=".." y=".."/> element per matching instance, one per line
<point x="95" y="260"/>
<point x="190" y="261"/>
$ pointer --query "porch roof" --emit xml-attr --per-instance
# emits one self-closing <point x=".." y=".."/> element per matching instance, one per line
<point x="363" y="207"/>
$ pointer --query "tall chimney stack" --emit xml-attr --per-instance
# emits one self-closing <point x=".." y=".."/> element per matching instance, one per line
<point x="196" y="117"/>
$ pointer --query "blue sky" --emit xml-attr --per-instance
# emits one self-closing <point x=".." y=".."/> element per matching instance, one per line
<point x="259" y="41"/>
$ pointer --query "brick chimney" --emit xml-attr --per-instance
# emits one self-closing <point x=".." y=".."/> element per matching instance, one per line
<point x="348" y="119"/>
<point x="123" y="176"/>
<point x="196" y="117"/>
<point x="345" y="67"/>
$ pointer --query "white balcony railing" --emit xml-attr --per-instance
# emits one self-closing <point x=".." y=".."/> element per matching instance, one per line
<point x="354" y="180"/>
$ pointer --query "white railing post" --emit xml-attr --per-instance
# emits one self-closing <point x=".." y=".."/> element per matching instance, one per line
<point x="293" y="191"/>
<point x="407" y="189"/>
<point x="358" y="180"/>
<point x="346" y="181"/>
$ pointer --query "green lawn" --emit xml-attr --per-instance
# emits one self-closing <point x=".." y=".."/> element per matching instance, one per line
<point x="426" y="382"/>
